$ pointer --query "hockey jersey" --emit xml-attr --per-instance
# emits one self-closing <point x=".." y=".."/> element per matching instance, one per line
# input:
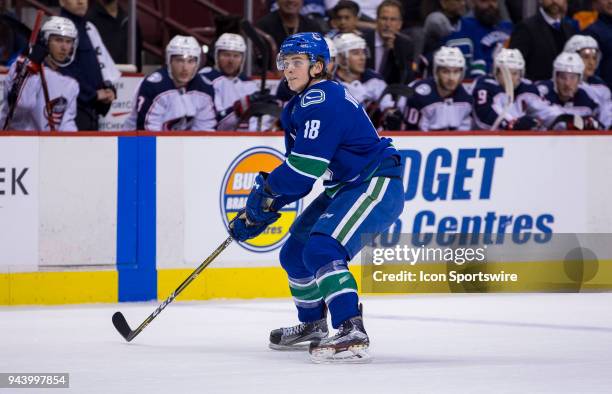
<point x="227" y="91"/>
<point x="599" y="92"/>
<point x="30" y="112"/>
<point x="159" y="105"/>
<point x="581" y="104"/>
<point x="427" y="111"/>
<point x="490" y="99"/>
<point x="327" y="134"/>
<point x="478" y="43"/>
<point x="368" y="89"/>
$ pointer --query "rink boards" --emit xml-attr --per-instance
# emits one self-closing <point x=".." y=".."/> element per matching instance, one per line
<point x="109" y="217"/>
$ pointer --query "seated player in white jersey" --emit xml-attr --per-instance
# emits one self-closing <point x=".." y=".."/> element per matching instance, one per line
<point x="235" y="93"/>
<point x="492" y="106"/>
<point x="26" y="105"/>
<point x="441" y="102"/>
<point x="563" y="91"/>
<point x="596" y="88"/>
<point x="364" y="84"/>
<point x="172" y="98"/>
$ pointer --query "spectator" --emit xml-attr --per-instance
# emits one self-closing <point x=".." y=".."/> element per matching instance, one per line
<point x="392" y="53"/>
<point x="441" y="102"/>
<point x="173" y="97"/>
<point x="368" y="8"/>
<point x="364" y="84"/>
<point x="542" y="37"/>
<point x="93" y="68"/>
<point x="586" y="47"/>
<point x="440" y="24"/>
<point x="112" y="23"/>
<point x="563" y="91"/>
<point x="480" y="36"/>
<point x="235" y="93"/>
<point x="286" y="21"/>
<point x="601" y="30"/>
<point x="344" y="17"/>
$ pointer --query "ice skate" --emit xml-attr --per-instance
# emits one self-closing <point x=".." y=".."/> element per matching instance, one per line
<point x="298" y="337"/>
<point x="349" y="345"/>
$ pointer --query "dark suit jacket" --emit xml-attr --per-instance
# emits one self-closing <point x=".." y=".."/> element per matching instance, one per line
<point x="398" y="68"/>
<point x="540" y="44"/>
<point x="273" y="25"/>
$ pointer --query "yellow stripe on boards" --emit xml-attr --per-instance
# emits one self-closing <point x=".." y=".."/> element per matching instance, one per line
<point x="58" y="287"/>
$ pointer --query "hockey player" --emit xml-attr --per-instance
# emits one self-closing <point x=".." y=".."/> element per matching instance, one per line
<point x="31" y="110"/>
<point x="365" y="84"/>
<point x="596" y="88"/>
<point x="329" y="135"/>
<point x="578" y="110"/>
<point x="441" y="102"/>
<point x="526" y="112"/>
<point x="235" y="93"/>
<point x="172" y="98"/>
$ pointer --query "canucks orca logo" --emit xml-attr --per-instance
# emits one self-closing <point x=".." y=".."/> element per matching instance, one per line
<point x="313" y="96"/>
<point x="237" y="184"/>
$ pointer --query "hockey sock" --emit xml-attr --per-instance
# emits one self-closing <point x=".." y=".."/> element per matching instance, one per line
<point x="325" y="257"/>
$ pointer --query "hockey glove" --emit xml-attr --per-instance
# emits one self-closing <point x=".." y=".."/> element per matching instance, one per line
<point x="242" y="106"/>
<point x="575" y="122"/>
<point x="260" y="201"/>
<point x="240" y="229"/>
<point x="524" y="123"/>
<point x="392" y="120"/>
<point x="38" y="53"/>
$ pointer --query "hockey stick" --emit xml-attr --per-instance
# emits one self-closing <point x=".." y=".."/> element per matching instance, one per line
<point x="43" y="82"/>
<point x="509" y="87"/>
<point x="264" y="56"/>
<point x="23" y="74"/>
<point x="121" y="323"/>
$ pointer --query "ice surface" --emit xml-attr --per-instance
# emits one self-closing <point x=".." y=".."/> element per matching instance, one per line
<point x="470" y="343"/>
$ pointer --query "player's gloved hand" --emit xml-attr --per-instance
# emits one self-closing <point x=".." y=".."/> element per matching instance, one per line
<point x="591" y="123"/>
<point x="524" y="123"/>
<point x="242" y="106"/>
<point x="260" y="201"/>
<point x="241" y="229"/>
<point x="38" y="54"/>
<point x="392" y="120"/>
<point x="575" y="122"/>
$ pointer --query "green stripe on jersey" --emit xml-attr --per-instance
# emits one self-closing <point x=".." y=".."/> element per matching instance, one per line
<point x="310" y="165"/>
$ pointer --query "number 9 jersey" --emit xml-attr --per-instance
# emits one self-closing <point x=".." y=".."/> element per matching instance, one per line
<point x="327" y="134"/>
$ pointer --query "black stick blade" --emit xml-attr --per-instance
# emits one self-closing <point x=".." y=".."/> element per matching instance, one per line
<point x="122" y="325"/>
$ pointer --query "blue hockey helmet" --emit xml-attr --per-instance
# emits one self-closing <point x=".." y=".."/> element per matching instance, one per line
<point x="311" y="44"/>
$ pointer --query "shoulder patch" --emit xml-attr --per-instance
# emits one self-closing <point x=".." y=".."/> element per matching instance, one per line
<point x="314" y="96"/>
<point x="423" y="89"/>
<point x="543" y="89"/>
<point x="155" y="77"/>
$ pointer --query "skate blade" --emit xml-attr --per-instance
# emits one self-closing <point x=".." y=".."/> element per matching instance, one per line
<point x="299" y="347"/>
<point x="358" y="354"/>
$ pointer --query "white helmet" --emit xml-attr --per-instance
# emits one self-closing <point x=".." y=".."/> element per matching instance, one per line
<point x="578" y="42"/>
<point x="186" y="46"/>
<point x="448" y="57"/>
<point x="510" y="58"/>
<point x="230" y="42"/>
<point x="59" y="26"/>
<point x="347" y="41"/>
<point x="332" y="48"/>
<point x="568" y="62"/>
